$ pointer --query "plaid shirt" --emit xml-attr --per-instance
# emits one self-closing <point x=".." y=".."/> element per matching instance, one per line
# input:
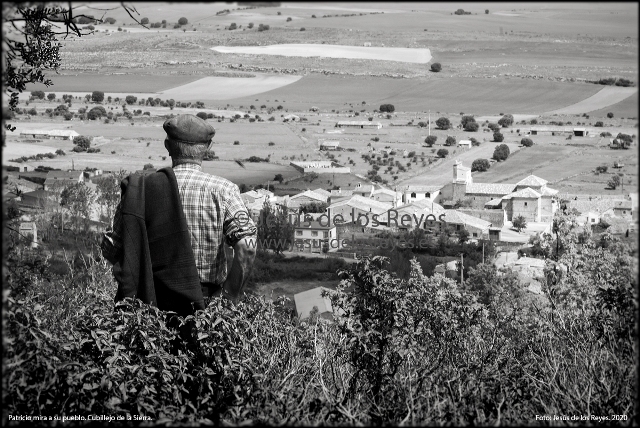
<point x="215" y="214"/>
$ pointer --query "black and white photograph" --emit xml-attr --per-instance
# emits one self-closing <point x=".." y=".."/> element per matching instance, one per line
<point x="320" y="213"/>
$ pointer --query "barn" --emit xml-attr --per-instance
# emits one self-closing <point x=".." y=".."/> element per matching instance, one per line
<point x="580" y="132"/>
<point x="361" y="124"/>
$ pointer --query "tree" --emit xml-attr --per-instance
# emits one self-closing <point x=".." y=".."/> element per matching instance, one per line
<point x="498" y="137"/>
<point x="614" y="182"/>
<point x="51" y="96"/>
<point x="443" y="123"/>
<point x="610" y="115"/>
<point x="480" y="165"/>
<point x="82" y="142"/>
<point x="250" y="26"/>
<point x="38" y="94"/>
<point x="233" y="26"/>
<point x="471" y="127"/>
<point x="144" y="21"/>
<point x="275" y="231"/>
<point x="279" y="178"/>
<point x="78" y="198"/>
<point x="97" y="96"/>
<point x="474" y="142"/>
<point x="519" y="223"/>
<point x="494" y="127"/>
<point x="389" y="108"/>
<point x="599" y="124"/>
<point x="527" y="142"/>
<point x="463" y="236"/>
<point x="202" y="115"/>
<point x="506" y="121"/>
<point x="436" y="67"/>
<point x="422" y="124"/>
<point x="148" y="166"/>
<point x="108" y="191"/>
<point x="130" y="99"/>
<point x="486" y="11"/>
<point x="183" y="21"/>
<point x="466" y="119"/>
<point x="501" y="152"/>
<point x="450" y="141"/>
<point x="443" y="153"/>
<point x="430" y="140"/>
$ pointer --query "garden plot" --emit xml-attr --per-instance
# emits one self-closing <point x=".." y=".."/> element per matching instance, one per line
<point x="419" y="56"/>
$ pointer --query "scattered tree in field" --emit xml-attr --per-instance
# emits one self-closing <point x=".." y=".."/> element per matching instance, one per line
<point x="38" y="94"/>
<point x="422" y="124"/>
<point x="389" y="108"/>
<point x="148" y="166"/>
<point x="474" y="142"/>
<point x="250" y="25"/>
<point x="450" y="141"/>
<point x="527" y="142"/>
<point x="466" y="120"/>
<point x="183" y="21"/>
<point x="480" y="165"/>
<point x="486" y="11"/>
<point x="144" y="21"/>
<point x="443" y="153"/>
<point x="519" y="223"/>
<point x="302" y="29"/>
<point x="602" y="169"/>
<point x="82" y="141"/>
<point x="436" y="67"/>
<point x="443" y="123"/>
<point x="498" y="137"/>
<point x="288" y="19"/>
<point x="506" y="121"/>
<point x="202" y="115"/>
<point x="610" y="115"/>
<point x="430" y="140"/>
<point x="279" y="178"/>
<point x="51" y="96"/>
<point x="501" y="152"/>
<point x="471" y="126"/>
<point x="494" y="127"/>
<point x="130" y="99"/>
<point x="614" y="182"/>
<point x="263" y="27"/>
<point x="97" y="96"/>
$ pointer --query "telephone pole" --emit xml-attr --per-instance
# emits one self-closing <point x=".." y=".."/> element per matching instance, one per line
<point x="462" y="269"/>
<point x="429" y="123"/>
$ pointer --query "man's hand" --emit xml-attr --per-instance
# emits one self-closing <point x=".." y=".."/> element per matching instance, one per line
<point x="244" y="253"/>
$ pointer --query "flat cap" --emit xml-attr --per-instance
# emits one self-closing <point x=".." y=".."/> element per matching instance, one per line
<point x="188" y="128"/>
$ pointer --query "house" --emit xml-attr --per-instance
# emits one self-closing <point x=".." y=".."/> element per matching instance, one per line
<point x="456" y="221"/>
<point x="423" y="213"/>
<point x="497" y="218"/>
<point x="323" y="192"/>
<point x="525" y="203"/>
<point x="329" y="145"/>
<point x="29" y="231"/>
<point x="464" y="143"/>
<point x="541" y="130"/>
<point x="358" y="124"/>
<point x="387" y="195"/>
<point x="622" y="209"/>
<point x="37" y="199"/>
<point x="339" y="195"/>
<point x="306" y="197"/>
<point x="364" y="190"/>
<point x="417" y="192"/>
<point x="449" y="269"/>
<point x="316" y="236"/>
<point x="56" y="180"/>
<point x="495" y="233"/>
<point x="291" y="118"/>
<point x="64" y="134"/>
<point x="16" y="166"/>
<point x="306" y="301"/>
<point x="360" y="209"/>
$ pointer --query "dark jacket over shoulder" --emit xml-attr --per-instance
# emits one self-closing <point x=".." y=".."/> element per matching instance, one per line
<point x="157" y="265"/>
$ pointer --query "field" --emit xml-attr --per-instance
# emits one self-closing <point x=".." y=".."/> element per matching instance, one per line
<point x="225" y="88"/>
<point x="420" y="56"/>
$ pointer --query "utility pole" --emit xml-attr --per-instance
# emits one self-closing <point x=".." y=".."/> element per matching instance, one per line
<point x="462" y="269"/>
<point x="483" y="251"/>
<point x="429" y="122"/>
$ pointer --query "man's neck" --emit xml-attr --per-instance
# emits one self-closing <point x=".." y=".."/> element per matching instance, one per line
<point x="176" y="162"/>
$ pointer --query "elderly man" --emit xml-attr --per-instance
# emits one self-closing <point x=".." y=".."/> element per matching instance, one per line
<point x="166" y="243"/>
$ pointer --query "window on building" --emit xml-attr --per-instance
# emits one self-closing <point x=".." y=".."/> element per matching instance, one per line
<point x="525" y="204"/>
<point x="298" y="233"/>
<point x="326" y="234"/>
<point x="427" y="195"/>
<point x="475" y="235"/>
<point x="593" y="220"/>
<point x="314" y="233"/>
<point x="413" y="195"/>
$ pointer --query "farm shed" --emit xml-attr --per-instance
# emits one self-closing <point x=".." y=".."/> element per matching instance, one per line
<point x="291" y="118"/>
<point x="361" y="124"/>
<point x="580" y="132"/>
<point x="541" y="130"/>
<point x="329" y="145"/>
<point x="64" y="134"/>
<point x="464" y="143"/>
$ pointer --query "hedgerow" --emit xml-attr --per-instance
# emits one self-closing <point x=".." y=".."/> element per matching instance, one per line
<point x="422" y="350"/>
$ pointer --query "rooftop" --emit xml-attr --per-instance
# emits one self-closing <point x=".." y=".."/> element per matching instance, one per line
<point x="527" y="192"/>
<point x="314" y="224"/>
<point x="490" y="188"/>
<point x="457" y="217"/>
<point x="363" y="203"/>
<point x="532" y="181"/>
<point x="310" y="194"/>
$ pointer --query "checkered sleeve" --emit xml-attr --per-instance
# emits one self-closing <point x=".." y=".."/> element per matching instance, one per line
<point x="237" y="222"/>
<point x="111" y="245"/>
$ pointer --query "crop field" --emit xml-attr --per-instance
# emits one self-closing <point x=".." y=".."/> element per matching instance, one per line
<point x="420" y="56"/>
<point x="14" y="149"/>
<point x="606" y="97"/>
<point x="114" y="83"/>
<point x="487" y="96"/>
<point x="225" y="88"/>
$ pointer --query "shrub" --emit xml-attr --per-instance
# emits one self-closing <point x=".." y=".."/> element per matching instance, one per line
<point x="602" y="169"/>
<point x="271" y="143"/>
<point x="443" y="153"/>
<point x="605" y="134"/>
<point x="527" y="142"/>
<point x="183" y="21"/>
<point x="501" y="152"/>
<point x="68" y="116"/>
<point x="302" y="29"/>
<point x="288" y="19"/>
<point x="471" y="127"/>
<point x="450" y="141"/>
<point x="236" y="143"/>
<point x="388" y="108"/>
<point x="130" y="99"/>
<point x="599" y="124"/>
<point x="443" y="123"/>
<point x="498" y="137"/>
<point x="144" y="21"/>
<point x="610" y="115"/>
<point x="38" y="94"/>
<point x="533" y="122"/>
<point x="436" y="67"/>
<point x="233" y="26"/>
<point x="430" y="140"/>
<point x="202" y="115"/>
<point x="614" y="182"/>
<point x="480" y="165"/>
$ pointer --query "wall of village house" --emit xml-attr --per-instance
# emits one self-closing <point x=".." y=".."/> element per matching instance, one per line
<point x="302" y="200"/>
<point x="478" y="201"/>
<point x="528" y="208"/>
<point x="347" y="210"/>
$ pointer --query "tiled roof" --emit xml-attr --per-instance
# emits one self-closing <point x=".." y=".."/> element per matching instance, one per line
<point x="64" y="174"/>
<point x="385" y="191"/>
<point x="546" y="191"/>
<point x="527" y="192"/>
<point x="322" y="192"/>
<point x="457" y="217"/>
<point x="310" y="194"/>
<point x="341" y="192"/>
<point x="495" y="217"/>
<point x="422" y="188"/>
<point x="597" y="205"/>
<point x="314" y="224"/>
<point x="490" y="188"/>
<point x="494" y="202"/>
<point x="622" y="205"/>
<point x="533" y="181"/>
<point x="361" y="202"/>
